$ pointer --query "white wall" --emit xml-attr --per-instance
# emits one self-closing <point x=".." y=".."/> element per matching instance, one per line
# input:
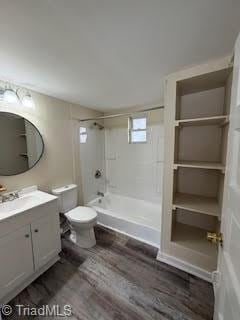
<point x="135" y="170"/>
<point x="57" y="122"/>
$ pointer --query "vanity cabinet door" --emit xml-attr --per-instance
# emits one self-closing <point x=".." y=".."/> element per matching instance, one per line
<point x="16" y="259"/>
<point x="45" y="239"/>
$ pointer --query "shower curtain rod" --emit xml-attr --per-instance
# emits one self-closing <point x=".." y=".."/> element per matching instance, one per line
<point x="123" y="114"/>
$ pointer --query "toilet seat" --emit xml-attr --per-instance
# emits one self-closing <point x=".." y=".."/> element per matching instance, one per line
<point x="81" y="214"/>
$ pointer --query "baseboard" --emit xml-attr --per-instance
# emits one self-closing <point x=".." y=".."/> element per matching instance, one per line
<point x="185" y="266"/>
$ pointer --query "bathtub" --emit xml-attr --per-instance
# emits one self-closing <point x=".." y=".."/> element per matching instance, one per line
<point x="137" y="218"/>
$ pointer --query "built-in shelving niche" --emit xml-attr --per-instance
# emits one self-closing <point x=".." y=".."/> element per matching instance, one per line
<point x="201" y="131"/>
<point x="204" y="96"/>
<point x="201" y="127"/>
<point x="201" y="146"/>
<point x="198" y="190"/>
<point x="189" y="230"/>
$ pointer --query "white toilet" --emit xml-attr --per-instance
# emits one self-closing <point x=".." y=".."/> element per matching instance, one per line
<point x="81" y="219"/>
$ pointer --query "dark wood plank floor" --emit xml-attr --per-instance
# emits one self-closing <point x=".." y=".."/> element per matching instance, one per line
<point x="119" y="279"/>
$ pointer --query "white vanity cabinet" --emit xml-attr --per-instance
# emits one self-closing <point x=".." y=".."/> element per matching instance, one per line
<point x="45" y="239"/>
<point x="16" y="259"/>
<point x="29" y="245"/>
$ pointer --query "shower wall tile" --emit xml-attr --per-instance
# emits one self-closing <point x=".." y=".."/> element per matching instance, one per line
<point x="111" y="168"/>
<point x="135" y="170"/>
<point x="110" y="148"/>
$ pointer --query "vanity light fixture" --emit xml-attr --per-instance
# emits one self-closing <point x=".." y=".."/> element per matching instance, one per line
<point x="27" y="101"/>
<point x="10" y="95"/>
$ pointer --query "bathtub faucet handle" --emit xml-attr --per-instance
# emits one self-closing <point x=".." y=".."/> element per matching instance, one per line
<point x="101" y="194"/>
<point x="98" y="174"/>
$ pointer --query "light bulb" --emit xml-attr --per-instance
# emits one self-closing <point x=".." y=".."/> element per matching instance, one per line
<point x="27" y="101"/>
<point x="10" y="96"/>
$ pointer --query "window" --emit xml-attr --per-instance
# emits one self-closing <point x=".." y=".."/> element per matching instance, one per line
<point x="137" y="129"/>
<point x="83" y="134"/>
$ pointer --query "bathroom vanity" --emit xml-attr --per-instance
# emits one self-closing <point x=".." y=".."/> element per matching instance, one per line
<point x="29" y="240"/>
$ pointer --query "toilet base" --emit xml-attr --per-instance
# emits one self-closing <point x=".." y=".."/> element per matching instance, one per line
<point x="85" y="239"/>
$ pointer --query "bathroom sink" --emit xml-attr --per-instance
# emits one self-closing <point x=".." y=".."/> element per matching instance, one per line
<point x="17" y="204"/>
<point x="28" y="199"/>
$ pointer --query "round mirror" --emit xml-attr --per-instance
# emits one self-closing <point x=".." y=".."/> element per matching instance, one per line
<point x="21" y="144"/>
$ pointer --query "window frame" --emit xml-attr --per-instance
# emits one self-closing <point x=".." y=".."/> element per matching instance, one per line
<point x="83" y="134"/>
<point x="130" y="128"/>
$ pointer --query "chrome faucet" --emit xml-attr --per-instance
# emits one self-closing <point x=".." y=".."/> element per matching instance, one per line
<point x="2" y="188"/>
<point x="9" y="196"/>
<point x="101" y="194"/>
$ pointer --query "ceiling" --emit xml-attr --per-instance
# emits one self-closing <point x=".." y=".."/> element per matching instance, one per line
<point x="109" y="54"/>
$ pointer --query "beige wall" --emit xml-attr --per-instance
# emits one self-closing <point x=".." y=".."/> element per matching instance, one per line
<point x="59" y="164"/>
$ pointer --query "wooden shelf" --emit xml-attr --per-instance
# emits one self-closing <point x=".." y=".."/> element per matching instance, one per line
<point x="200" y="165"/>
<point x="195" y="203"/>
<point x="216" y="120"/>
<point x="194" y="239"/>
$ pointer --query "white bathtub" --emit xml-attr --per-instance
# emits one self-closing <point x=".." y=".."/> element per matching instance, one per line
<point x="137" y="218"/>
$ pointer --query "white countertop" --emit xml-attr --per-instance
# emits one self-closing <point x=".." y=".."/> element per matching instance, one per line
<point x="28" y="198"/>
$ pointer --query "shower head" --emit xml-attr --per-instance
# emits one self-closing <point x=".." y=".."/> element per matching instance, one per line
<point x="100" y="127"/>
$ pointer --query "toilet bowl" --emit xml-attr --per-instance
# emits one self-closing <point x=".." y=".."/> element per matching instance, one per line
<point x="81" y="219"/>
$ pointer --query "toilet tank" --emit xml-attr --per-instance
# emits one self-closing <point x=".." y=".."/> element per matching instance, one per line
<point x="67" y="197"/>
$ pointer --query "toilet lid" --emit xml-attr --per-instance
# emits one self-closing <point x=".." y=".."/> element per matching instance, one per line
<point x="81" y="214"/>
